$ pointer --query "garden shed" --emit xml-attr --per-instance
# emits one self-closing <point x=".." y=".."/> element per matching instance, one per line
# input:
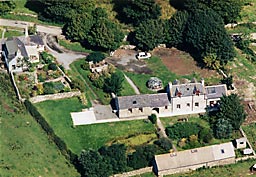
<point x="240" y="143"/>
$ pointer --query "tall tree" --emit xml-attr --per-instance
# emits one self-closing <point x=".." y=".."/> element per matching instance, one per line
<point x="175" y="27"/>
<point x="229" y="10"/>
<point x="79" y="26"/>
<point x="116" y="156"/>
<point x="93" y="164"/>
<point x="114" y="83"/>
<point x="223" y="128"/>
<point x="232" y="110"/>
<point x="149" y="34"/>
<point x="6" y="6"/>
<point x="206" y="34"/>
<point x="137" y="11"/>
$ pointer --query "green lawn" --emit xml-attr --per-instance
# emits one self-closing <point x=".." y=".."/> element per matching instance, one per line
<point x="12" y="33"/>
<point x="248" y="12"/>
<point x="25" y="149"/>
<point x="158" y="70"/>
<point x="57" y="114"/>
<point x="235" y="170"/>
<point x="75" y="46"/>
<point x="20" y="7"/>
<point x="104" y="97"/>
<point x="250" y="131"/>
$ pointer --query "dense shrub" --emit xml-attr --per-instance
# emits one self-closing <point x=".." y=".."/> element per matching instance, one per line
<point x="46" y="58"/>
<point x="53" y="87"/>
<point x="77" y="84"/>
<point x="164" y="143"/>
<point x="205" y="135"/>
<point x="95" y="57"/>
<point x="153" y="118"/>
<point x="142" y="157"/>
<point x="183" y="130"/>
<point x="52" y="66"/>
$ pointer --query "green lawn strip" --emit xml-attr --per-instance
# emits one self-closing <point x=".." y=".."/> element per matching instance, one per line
<point x="57" y="114"/>
<point x="75" y="46"/>
<point x="12" y="33"/>
<point x="127" y="89"/>
<point x="20" y="7"/>
<point x="25" y="149"/>
<point x="248" y="12"/>
<point x="149" y="174"/>
<point x="250" y="131"/>
<point x="235" y="170"/>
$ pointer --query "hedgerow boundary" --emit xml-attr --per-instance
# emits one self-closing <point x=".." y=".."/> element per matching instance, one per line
<point x="67" y="153"/>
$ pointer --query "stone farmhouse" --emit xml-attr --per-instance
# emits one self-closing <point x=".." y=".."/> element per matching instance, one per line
<point x="18" y="49"/>
<point x="183" y="161"/>
<point x="180" y="99"/>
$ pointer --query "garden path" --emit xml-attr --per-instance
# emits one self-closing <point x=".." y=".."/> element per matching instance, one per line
<point x="135" y="88"/>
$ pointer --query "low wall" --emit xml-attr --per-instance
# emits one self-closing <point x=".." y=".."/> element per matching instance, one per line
<point x="135" y="172"/>
<point x="56" y="96"/>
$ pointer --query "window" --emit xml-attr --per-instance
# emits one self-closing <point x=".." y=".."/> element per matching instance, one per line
<point x="134" y="102"/>
<point x="222" y="151"/>
<point x="188" y="104"/>
<point x="242" y="142"/>
<point x="141" y="109"/>
<point x="196" y="104"/>
<point x="166" y="107"/>
<point x="130" y="110"/>
<point x="178" y="106"/>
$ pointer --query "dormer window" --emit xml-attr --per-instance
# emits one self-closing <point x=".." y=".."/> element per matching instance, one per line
<point x="179" y="94"/>
<point x="134" y="102"/>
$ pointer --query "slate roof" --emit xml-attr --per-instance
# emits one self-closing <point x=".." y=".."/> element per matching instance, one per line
<point x="22" y="48"/>
<point x="216" y="91"/>
<point x="11" y="46"/>
<point x="146" y="100"/>
<point x="31" y="40"/>
<point x="194" y="156"/>
<point x="187" y="89"/>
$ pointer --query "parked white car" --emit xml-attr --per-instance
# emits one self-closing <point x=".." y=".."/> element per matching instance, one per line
<point x="143" y="55"/>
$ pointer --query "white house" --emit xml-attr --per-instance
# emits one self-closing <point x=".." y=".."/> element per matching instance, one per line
<point x="18" y="48"/>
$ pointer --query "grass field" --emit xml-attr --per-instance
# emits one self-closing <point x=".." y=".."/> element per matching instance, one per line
<point x="57" y="114"/>
<point x="104" y="97"/>
<point x="25" y="149"/>
<point x="248" y="12"/>
<point x="250" y="131"/>
<point x="12" y="33"/>
<point x="75" y="46"/>
<point x="235" y="170"/>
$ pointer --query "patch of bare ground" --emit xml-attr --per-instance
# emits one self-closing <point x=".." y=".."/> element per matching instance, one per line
<point x="126" y="60"/>
<point x="246" y="90"/>
<point x="181" y="63"/>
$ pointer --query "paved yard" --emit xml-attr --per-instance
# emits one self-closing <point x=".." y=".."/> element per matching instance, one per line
<point x="104" y="112"/>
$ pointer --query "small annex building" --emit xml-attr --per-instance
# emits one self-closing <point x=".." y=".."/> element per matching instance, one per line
<point x="142" y="105"/>
<point x="240" y="143"/>
<point x="193" y="159"/>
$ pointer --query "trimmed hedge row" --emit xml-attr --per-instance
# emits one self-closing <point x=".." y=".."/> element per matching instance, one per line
<point x="69" y="155"/>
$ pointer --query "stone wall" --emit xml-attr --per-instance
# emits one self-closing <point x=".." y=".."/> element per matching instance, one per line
<point x="135" y="172"/>
<point x="56" y="96"/>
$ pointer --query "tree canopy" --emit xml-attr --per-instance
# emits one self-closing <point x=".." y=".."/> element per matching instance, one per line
<point x="137" y="11"/>
<point x="175" y="27"/>
<point x="205" y="33"/>
<point x="95" y="57"/>
<point x="232" y="110"/>
<point x="94" y="165"/>
<point x="113" y="84"/>
<point x="6" y="6"/>
<point x="149" y="34"/>
<point x="223" y="128"/>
